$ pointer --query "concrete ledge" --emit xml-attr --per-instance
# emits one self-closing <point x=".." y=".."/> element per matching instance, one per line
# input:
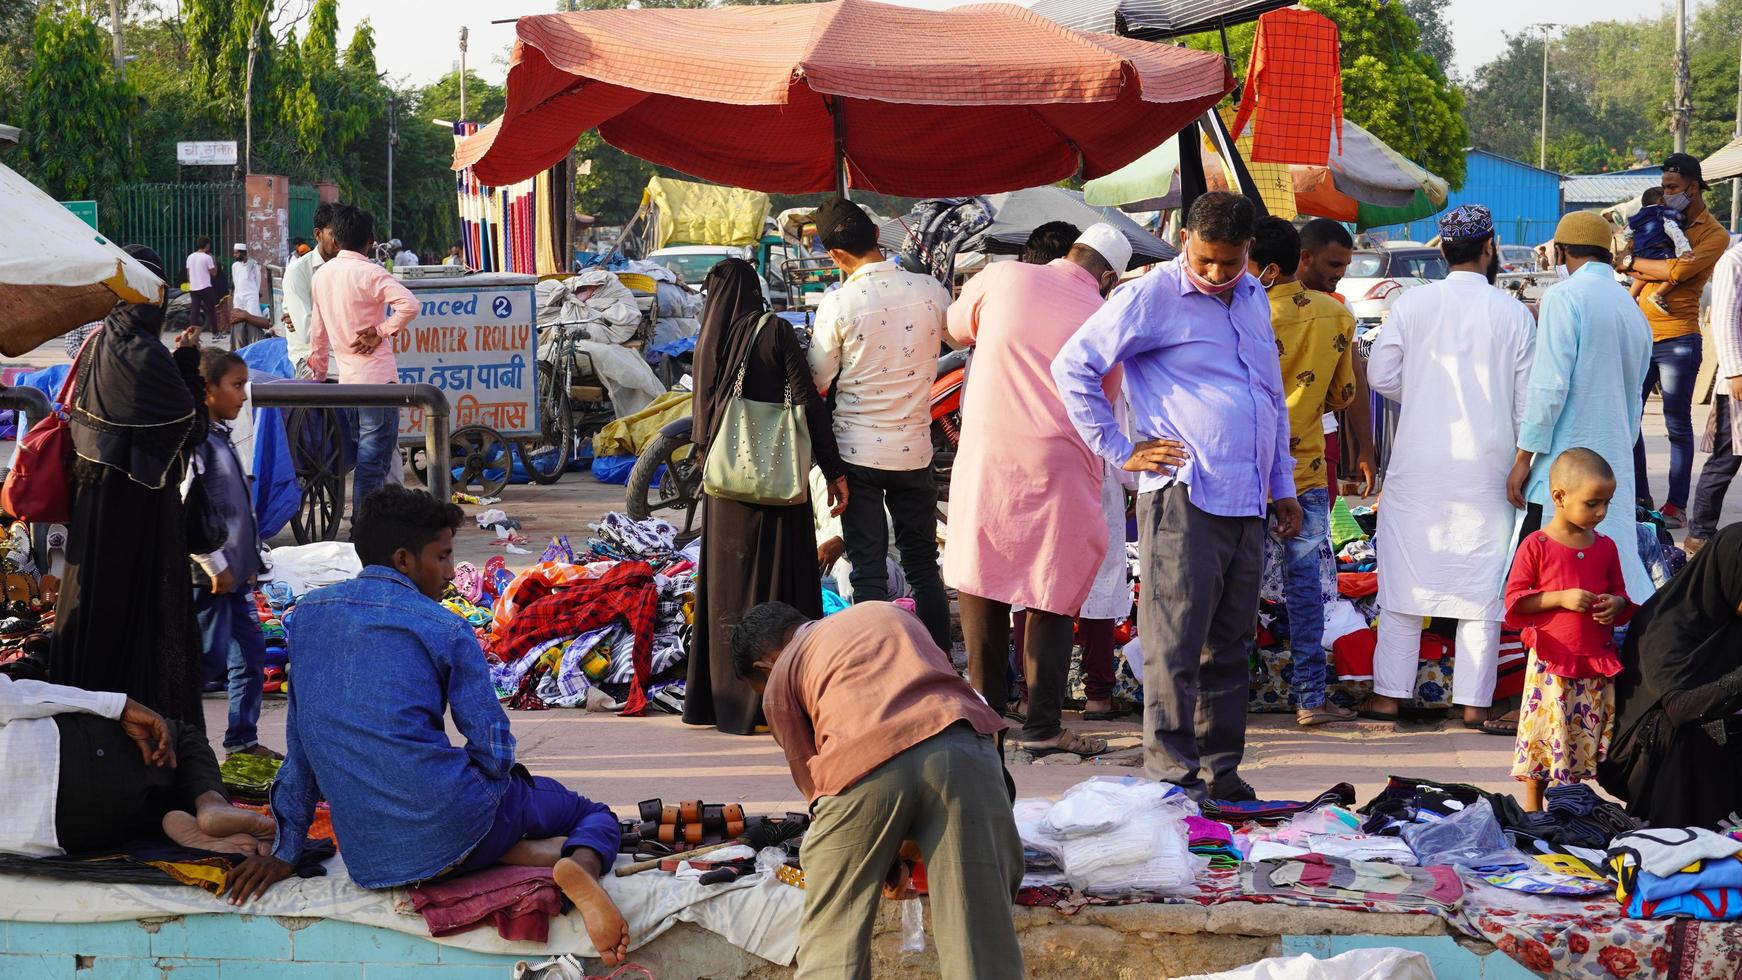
<point x="1129" y="942"/>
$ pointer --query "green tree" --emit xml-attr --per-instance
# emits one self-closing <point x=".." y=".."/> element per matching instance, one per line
<point x="1436" y="33"/>
<point x="1391" y="87"/>
<point x="441" y="100"/>
<point x="1503" y="105"/>
<point x="72" y="88"/>
<point x="17" y="28"/>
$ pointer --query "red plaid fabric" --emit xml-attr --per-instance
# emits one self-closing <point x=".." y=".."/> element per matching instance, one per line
<point x="624" y="594"/>
<point x="1294" y="86"/>
<point x="933" y="103"/>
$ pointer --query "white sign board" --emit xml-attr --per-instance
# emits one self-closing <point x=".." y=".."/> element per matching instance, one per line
<point x="477" y="344"/>
<point x="208" y="153"/>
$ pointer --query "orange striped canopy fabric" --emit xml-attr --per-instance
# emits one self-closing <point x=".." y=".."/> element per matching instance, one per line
<point x="972" y="100"/>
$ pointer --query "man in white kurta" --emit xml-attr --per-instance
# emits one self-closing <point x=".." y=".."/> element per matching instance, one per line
<point x="1456" y="354"/>
<point x="1593" y="349"/>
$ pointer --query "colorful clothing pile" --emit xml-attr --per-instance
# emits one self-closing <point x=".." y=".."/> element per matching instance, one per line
<point x="1312" y="877"/>
<point x="1668" y="872"/>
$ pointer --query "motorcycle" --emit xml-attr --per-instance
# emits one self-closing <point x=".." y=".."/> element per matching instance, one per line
<point x="667" y="479"/>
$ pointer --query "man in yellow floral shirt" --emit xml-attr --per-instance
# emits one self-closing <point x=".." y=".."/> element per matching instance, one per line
<point x="1314" y="337"/>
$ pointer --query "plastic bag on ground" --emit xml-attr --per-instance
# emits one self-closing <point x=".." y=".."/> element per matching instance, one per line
<point x="1471" y="838"/>
<point x="1096" y="805"/>
<point x="1385" y="963"/>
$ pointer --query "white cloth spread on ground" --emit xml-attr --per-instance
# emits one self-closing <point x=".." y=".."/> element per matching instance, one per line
<point x="755" y="913"/>
<point x="1456" y="354"/>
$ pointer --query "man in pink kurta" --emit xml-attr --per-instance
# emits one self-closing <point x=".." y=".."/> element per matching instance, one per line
<point x="1026" y="526"/>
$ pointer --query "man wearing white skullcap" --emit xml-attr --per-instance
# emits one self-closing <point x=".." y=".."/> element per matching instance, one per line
<point x="1026" y="524"/>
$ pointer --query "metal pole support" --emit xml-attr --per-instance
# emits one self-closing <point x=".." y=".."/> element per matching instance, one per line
<point x="433" y="401"/>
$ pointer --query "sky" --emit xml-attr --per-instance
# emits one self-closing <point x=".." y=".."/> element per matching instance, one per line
<point x="424" y="46"/>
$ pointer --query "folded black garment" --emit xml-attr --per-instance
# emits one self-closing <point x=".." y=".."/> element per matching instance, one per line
<point x="1406" y="800"/>
<point x="155" y="862"/>
<point x="1573" y="816"/>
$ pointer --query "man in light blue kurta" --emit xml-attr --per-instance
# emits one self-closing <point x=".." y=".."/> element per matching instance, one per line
<point x="1593" y="348"/>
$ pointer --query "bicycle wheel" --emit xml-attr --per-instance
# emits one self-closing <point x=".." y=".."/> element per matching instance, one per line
<point x="546" y="456"/>
<point x="667" y="483"/>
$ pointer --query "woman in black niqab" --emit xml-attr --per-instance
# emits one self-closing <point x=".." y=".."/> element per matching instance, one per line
<point x="751" y="553"/>
<point x="125" y="618"/>
<point x="1677" y="753"/>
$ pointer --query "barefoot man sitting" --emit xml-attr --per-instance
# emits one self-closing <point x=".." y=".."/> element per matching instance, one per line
<point x="94" y="770"/>
<point x="378" y="663"/>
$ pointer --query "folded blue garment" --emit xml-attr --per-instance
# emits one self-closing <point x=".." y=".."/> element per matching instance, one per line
<point x="1706" y="904"/>
<point x="1720" y="874"/>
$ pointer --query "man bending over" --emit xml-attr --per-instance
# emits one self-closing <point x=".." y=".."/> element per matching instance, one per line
<point x="378" y="663"/>
<point x="888" y="744"/>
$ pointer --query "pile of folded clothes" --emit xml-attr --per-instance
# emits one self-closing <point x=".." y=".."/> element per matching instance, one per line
<point x="1670" y="872"/>
<point x="1117" y="837"/>
<point x="605" y="628"/>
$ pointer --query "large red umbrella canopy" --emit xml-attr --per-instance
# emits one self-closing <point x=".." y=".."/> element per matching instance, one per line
<point x="923" y="103"/>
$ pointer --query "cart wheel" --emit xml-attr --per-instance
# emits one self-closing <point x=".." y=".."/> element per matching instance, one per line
<point x="321" y="512"/>
<point x="546" y="456"/>
<point x="667" y="483"/>
<point x="479" y="458"/>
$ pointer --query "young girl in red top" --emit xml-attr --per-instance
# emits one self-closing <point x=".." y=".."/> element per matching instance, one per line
<point x="1566" y="594"/>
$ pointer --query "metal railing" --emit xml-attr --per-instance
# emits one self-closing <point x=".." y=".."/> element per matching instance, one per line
<point x="433" y="401"/>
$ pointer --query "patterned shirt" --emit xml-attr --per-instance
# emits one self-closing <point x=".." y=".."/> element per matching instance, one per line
<point x="875" y="344"/>
<point x="1314" y="334"/>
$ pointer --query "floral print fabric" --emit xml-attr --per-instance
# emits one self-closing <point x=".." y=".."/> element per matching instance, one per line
<point x="1564" y="726"/>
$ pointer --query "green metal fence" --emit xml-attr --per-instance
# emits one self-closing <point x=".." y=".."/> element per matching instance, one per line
<point x="171" y="217"/>
<point x="302" y="211"/>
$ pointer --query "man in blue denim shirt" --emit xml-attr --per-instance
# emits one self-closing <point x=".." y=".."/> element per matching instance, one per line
<point x="377" y="664"/>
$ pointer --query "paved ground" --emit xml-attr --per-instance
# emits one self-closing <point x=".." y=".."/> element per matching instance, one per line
<point x="624" y="760"/>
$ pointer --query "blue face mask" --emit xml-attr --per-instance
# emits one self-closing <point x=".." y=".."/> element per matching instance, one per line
<point x="1677" y="202"/>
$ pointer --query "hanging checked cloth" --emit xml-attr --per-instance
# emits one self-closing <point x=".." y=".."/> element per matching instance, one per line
<point x="1294" y="89"/>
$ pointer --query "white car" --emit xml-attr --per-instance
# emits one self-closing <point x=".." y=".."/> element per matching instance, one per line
<point x="691" y="263"/>
<point x="1375" y="277"/>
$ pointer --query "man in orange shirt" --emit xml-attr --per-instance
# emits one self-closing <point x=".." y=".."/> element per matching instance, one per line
<point x="888" y="744"/>
<point x="348" y="294"/>
<point x="1675" y="329"/>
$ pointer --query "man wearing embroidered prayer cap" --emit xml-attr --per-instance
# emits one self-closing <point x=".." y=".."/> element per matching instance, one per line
<point x="1456" y="354"/>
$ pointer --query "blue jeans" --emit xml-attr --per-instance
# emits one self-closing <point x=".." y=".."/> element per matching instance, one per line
<point x="377" y="441"/>
<point x="1674" y="365"/>
<point x="230" y="629"/>
<point x="1306" y="604"/>
<point x="537" y="808"/>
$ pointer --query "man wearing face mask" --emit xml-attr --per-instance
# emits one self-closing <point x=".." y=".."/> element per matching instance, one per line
<point x="1592" y="351"/>
<point x="1314" y="337"/>
<point x="1456" y="355"/>
<point x="1201" y="370"/>
<point x="1015" y="539"/>
<point x="1675" y="329"/>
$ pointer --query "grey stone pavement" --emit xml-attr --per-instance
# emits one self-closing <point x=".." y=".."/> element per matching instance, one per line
<point x="623" y="760"/>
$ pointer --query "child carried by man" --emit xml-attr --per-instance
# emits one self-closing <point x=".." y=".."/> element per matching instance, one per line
<point x="1655" y="232"/>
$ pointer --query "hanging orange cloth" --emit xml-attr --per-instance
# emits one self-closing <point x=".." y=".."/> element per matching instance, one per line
<point x="1295" y="85"/>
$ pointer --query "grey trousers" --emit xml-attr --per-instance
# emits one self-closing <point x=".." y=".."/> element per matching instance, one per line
<point x="947" y="795"/>
<point x="1199" y="606"/>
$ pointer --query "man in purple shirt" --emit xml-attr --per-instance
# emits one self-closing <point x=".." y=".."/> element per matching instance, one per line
<point x="1206" y="394"/>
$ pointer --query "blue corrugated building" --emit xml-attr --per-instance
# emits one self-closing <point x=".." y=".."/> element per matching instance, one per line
<point x="1525" y="200"/>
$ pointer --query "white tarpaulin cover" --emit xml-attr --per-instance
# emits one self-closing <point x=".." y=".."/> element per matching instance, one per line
<point x="755" y="913"/>
<point x="56" y="272"/>
<point x="1385" y="963"/>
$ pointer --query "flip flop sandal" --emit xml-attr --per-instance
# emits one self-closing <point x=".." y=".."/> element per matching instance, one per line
<point x="1313" y="717"/>
<point x="1362" y="711"/>
<point x="1072" y="743"/>
<point x="1494" y="726"/>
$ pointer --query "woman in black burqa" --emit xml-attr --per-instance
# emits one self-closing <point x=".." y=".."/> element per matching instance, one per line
<point x="750" y="553"/>
<point x="125" y="619"/>
<point x="1677" y="753"/>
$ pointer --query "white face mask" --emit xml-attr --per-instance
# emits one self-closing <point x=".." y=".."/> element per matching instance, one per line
<point x="1561" y="271"/>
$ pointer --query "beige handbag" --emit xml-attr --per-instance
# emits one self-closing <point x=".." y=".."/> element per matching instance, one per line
<point x="761" y="451"/>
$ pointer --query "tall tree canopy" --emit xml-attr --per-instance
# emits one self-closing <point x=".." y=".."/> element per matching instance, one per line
<point x="72" y="88"/>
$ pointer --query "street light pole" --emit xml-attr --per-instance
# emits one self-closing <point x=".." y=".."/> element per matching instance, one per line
<point x="463" y="33"/>
<point x="1542" y="132"/>
<point x="392" y="139"/>
<point x="1682" y="110"/>
<point x="1736" y="183"/>
<point x="115" y="35"/>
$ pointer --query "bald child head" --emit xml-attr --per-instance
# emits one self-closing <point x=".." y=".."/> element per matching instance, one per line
<point x="1577" y="467"/>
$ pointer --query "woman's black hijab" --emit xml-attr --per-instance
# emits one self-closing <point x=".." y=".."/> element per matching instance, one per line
<point x="734" y="305"/>
<point x="1689" y="634"/>
<point x="134" y="409"/>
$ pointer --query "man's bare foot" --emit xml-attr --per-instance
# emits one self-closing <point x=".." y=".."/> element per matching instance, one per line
<point x="609" y="932"/>
<point x="224" y="820"/>
<point x="181" y="827"/>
